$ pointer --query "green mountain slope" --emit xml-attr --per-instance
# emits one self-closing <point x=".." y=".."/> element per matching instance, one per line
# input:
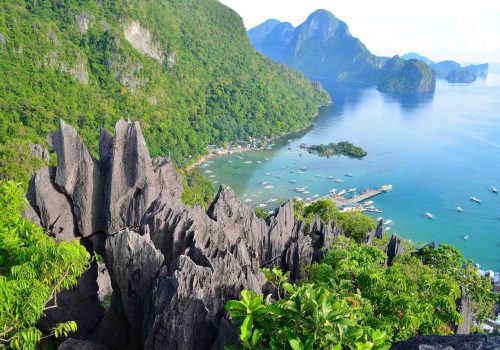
<point x="184" y="68"/>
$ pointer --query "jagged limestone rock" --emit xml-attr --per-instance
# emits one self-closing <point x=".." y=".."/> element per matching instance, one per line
<point x="131" y="184"/>
<point x="49" y="207"/>
<point x="79" y="177"/>
<point x="451" y="342"/>
<point x="133" y="263"/>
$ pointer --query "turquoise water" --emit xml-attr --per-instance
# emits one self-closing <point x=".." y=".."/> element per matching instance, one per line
<point x="437" y="151"/>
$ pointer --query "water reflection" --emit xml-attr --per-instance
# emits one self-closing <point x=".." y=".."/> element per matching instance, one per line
<point x="409" y="102"/>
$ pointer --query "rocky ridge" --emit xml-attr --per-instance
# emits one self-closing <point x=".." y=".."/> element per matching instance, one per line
<point x="171" y="267"/>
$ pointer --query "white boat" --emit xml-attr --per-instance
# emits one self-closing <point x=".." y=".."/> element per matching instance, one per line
<point x="475" y="200"/>
<point x="267" y="174"/>
<point x="380" y="218"/>
<point x="330" y="177"/>
<point x="333" y="191"/>
<point x="306" y="192"/>
<point x="341" y="193"/>
<point x="459" y="210"/>
<point x="429" y="216"/>
<point x="388" y="222"/>
<point x="385" y="188"/>
<point x="308" y="198"/>
<point x="278" y="176"/>
<point x="259" y="162"/>
<point x="349" y="175"/>
<point x="272" y="200"/>
<point x="212" y="176"/>
<point x="293" y="181"/>
<point x="264" y="183"/>
<point x="300" y="189"/>
<point x="303" y="168"/>
<point x="493" y="189"/>
<point x="208" y="171"/>
<point x="269" y="187"/>
<point x="299" y="199"/>
<point x="339" y="181"/>
<point x="316" y="196"/>
<point x="368" y="203"/>
<point x="262" y="205"/>
<point x="266" y="158"/>
<point x="388" y="228"/>
<point x="248" y="200"/>
<point x="351" y="190"/>
<point x="318" y="175"/>
<point x="466" y="237"/>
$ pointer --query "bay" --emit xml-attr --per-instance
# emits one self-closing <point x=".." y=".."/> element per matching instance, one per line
<point x="436" y="150"/>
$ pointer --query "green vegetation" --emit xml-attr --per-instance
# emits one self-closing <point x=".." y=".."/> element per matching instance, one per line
<point x="333" y="149"/>
<point x="261" y="213"/>
<point x="351" y="300"/>
<point x="309" y="317"/>
<point x="70" y="59"/>
<point x="407" y="76"/>
<point x="197" y="189"/>
<point x="33" y="268"/>
<point x="353" y="224"/>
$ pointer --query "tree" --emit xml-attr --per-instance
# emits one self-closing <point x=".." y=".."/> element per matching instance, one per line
<point x="33" y="269"/>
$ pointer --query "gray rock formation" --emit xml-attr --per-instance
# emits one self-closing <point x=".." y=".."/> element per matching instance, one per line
<point x="394" y="248"/>
<point x="132" y="182"/>
<point x="40" y="152"/>
<point x="103" y="282"/>
<point x="79" y="177"/>
<point x="75" y="344"/>
<point x="79" y="304"/>
<point x="171" y="267"/>
<point x="49" y="207"/>
<point x="465" y="308"/>
<point x="452" y="342"/>
<point x="134" y="263"/>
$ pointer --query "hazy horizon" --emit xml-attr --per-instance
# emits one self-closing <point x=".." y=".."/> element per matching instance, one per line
<point x="438" y="30"/>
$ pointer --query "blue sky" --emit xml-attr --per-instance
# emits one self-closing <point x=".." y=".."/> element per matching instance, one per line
<point x="466" y="31"/>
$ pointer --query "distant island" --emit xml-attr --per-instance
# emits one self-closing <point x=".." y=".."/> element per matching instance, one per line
<point x="452" y="71"/>
<point x="323" y="48"/>
<point x="343" y="148"/>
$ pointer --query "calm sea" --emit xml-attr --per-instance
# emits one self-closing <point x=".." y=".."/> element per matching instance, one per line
<point x="436" y="150"/>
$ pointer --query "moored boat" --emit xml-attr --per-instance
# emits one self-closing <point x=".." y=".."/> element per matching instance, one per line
<point x="475" y="200"/>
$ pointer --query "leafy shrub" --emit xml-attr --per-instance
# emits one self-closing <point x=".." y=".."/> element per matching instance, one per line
<point x="309" y="317"/>
<point x="197" y="189"/>
<point x="33" y="269"/>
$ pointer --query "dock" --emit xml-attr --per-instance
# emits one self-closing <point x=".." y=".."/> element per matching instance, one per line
<point x="342" y="202"/>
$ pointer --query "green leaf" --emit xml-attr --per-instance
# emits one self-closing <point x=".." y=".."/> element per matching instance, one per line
<point x="296" y="344"/>
<point x="246" y="328"/>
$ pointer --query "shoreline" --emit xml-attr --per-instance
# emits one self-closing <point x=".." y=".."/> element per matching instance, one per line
<point x="231" y="149"/>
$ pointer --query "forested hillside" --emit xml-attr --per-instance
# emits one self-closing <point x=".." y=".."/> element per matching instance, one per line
<point x="184" y="68"/>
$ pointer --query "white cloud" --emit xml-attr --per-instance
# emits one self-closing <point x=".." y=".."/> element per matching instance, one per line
<point x="441" y="29"/>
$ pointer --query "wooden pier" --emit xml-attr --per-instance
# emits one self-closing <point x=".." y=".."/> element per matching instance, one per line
<point x="341" y="201"/>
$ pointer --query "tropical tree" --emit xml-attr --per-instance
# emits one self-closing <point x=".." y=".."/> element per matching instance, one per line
<point x="33" y="269"/>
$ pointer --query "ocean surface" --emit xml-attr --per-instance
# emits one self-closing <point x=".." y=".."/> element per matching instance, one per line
<point x="436" y="150"/>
